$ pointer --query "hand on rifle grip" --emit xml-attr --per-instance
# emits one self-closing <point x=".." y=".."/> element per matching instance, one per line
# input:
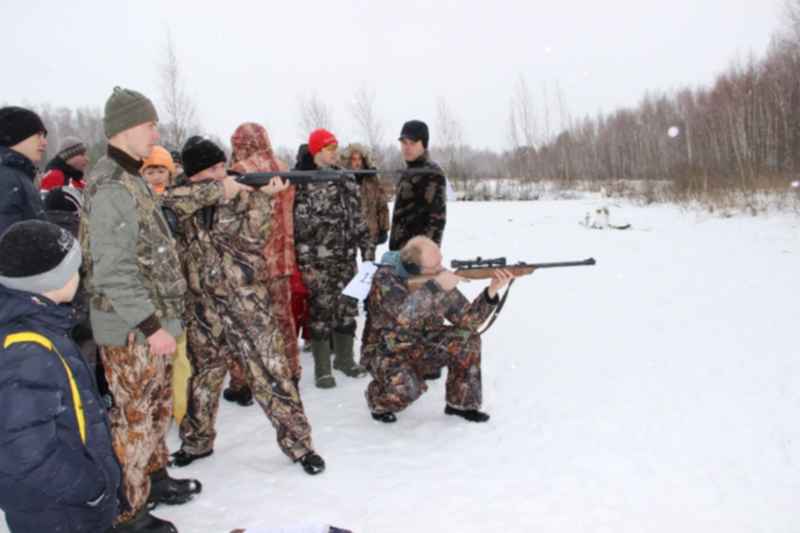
<point x="501" y="278"/>
<point x="448" y="280"/>
<point x="276" y="185"/>
<point x="233" y="188"/>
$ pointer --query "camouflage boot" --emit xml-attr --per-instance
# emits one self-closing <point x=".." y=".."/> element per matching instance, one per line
<point x="344" y="361"/>
<point x="323" y="376"/>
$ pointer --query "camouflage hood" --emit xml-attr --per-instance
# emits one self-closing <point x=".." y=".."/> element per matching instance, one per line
<point x="361" y="149"/>
<point x="252" y="149"/>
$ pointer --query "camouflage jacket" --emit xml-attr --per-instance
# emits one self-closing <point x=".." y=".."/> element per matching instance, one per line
<point x="240" y="234"/>
<point x="200" y="259"/>
<point x="329" y="223"/>
<point x="132" y="270"/>
<point x="398" y="319"/>
<point x="420" y="205"/>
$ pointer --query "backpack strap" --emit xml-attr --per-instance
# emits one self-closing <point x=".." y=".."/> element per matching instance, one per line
<point x="44" y="342"/>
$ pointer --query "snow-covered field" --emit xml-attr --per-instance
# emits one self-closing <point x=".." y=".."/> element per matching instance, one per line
<point x="658" y="391"/>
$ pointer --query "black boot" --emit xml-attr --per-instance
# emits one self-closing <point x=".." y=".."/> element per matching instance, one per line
<point x="312" y="463"/>
<point x="386" y="418"/>
<point x="144" y="522"/>
<point x="433" y="375"/>
<point x="164" y="489"/>
<point x="183" y="458"/>
<point x="243" y="396"/>
<point x="473" y="415"/>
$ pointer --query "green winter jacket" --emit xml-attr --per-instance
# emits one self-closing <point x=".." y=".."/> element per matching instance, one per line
<point x="133" y="273"/>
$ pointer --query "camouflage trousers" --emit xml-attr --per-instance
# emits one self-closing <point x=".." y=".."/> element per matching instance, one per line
<point x="236" y="370"/>
<point x="329" y="309"/>
<point x="252" y="326"/>
<point x="212" y="353"/>
<point x="141" y="384"/>
<point x="209" y="355"/>
<point x="397" y="378"/>
<point x="281" y="298"/>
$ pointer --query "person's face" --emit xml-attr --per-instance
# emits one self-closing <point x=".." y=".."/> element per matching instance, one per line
<point x="216" y="173"/>
<point x="72" y="288"/>
<point x="157" y="177"/>
<point x="33" y="147"/>
<point x="431" y="260"/>
<point x="356" y="161"/>
<point x="327" y="156"/>
<point x="412" y="150"/>
<point x="79" y="162"/>
<point x="140" y="139"/>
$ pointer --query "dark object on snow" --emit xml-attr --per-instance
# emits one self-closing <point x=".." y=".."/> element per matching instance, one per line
<point x="386" y="418"/>
<point x="243" y="396"/>
<point x="164" y="489"/>
<point x="312" y="463"/>
<point x="473" y="415"/>
<point x="184" y="458"/>
<point x="144" y="522"/>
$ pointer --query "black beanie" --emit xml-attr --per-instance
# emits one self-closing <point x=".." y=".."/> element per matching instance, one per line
<point x="200" y="153"/>
<point x="17" y="124"/>
<point x="59" y="199"/>
<point x="415" y="130"/>
<point x="38" y="257"/>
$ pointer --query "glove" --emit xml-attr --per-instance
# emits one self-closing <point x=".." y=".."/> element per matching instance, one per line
<point x="383" y="236"/>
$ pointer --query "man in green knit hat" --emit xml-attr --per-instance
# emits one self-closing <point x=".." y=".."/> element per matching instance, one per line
<point x="136" y="292"/>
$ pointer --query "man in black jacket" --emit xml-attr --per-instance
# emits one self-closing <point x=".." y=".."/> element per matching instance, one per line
<point x="420" y="205"/>
<point x="23" y="141"/>
<point x="58" y="471"/>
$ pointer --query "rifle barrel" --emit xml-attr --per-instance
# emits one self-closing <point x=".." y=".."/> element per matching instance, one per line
<point x="585" y="262"/>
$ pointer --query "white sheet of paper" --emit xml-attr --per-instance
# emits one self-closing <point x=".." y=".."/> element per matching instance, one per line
<point x="359" y="286"/>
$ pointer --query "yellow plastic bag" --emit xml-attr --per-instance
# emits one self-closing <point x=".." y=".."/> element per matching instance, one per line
<point x="181" y="370"/>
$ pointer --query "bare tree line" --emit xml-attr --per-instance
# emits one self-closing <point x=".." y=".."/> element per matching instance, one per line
<point x="741" y="133"/>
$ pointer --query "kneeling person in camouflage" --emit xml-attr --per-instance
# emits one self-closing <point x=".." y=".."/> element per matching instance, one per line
<point x="406" y="335"/>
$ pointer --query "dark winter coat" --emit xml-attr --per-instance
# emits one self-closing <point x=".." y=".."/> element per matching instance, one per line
<point x="49" y="479"/>
<point x="19" y="199"/>
<point x="420" y="205"/>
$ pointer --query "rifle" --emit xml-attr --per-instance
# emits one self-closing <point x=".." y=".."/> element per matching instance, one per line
<point x="480" y="268"/>
<point x="304" y="177"/>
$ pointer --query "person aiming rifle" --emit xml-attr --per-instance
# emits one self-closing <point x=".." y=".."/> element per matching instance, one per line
<point x="405" y="336"/>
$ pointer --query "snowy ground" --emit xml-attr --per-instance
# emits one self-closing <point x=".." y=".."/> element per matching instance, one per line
<point x="656" y="392"/>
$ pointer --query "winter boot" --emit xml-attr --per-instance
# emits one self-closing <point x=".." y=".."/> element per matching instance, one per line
<point x="344" y="361"/>
<point x="183" y="458"/>
<point x="473" y="415"/>
<point x="312" y="463"/>
<point x="322" y="364"/>
<point x="386" y="418"/>
<point x="243" y="396"/>
<point x="144" y="522"/>
<point x="164" y="489"/>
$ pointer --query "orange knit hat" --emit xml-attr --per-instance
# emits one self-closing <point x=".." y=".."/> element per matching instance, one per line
<point x="160" y="157"/>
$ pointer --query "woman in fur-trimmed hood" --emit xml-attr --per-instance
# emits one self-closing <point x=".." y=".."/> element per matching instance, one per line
<point x="373" y="200"/>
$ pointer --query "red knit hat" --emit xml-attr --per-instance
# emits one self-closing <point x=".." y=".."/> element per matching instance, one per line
<point x="319" y="139"/>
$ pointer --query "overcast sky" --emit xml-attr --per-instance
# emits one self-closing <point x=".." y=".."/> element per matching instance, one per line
<point x="253" y="60"/>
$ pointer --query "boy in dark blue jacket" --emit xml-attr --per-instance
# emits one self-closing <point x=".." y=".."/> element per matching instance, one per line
<point x="58" y="471"/>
